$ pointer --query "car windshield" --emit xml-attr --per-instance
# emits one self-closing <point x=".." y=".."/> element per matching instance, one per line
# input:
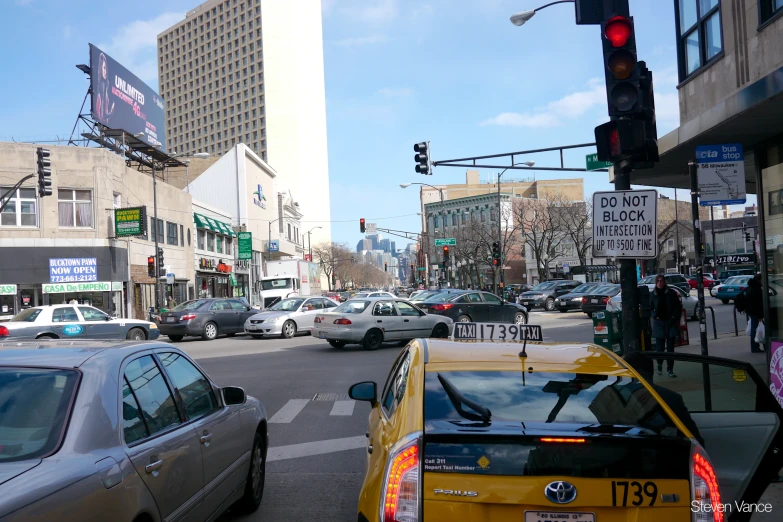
<point x="26" y="316"/>
<point x="546" y="397"/>
<point x="188" y="306"/>
<point x="352" y="307"/>
<point x="34" y="404"/>
<point x="737" y="280"/>
<point x="275" y="284"/>
<point x="287" y="305"/>
<point x="604" y="290"/>
<point x="583" y="288"/>
<point x="541" y="287"/>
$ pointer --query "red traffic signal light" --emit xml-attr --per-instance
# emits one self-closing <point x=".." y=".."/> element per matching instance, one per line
<point x="151" y="266"/>
<point x="361" y="225"/>
<point x="618" y="30"/>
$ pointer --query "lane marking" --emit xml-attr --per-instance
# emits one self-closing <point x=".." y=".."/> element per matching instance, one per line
<point x="321" y="447"/>
<point x="343" y="408"/>
<point x="287" y="413"/>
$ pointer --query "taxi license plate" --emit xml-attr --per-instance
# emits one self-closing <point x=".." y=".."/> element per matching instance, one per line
<point x="554" y="516"/>
<point x="171" y="319"/>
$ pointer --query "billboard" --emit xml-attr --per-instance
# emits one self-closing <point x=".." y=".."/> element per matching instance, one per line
<point x="121" y="101"/>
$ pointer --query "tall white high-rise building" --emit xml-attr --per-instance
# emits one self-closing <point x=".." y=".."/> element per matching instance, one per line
<point x="247" y="71"/>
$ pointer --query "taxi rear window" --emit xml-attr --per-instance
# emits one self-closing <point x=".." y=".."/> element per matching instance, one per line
<point x="547" y="397"/>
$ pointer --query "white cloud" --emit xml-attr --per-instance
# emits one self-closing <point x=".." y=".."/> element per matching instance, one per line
<point x="390" y="92"/>
<point x="361" y="41"/>
<point x="134" y="45"/>
<point x="515" y="119"/>
<point x="67" y="32"/>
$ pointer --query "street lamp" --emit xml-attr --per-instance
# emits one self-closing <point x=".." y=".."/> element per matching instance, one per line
<point x="500" y="235"/>
<point x="523" y="16"/>
<point x="440" y="191"/>
<point x="309" y="248"/>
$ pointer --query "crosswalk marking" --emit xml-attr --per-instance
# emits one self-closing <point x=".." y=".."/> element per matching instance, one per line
<point x="321" y="447"/>
<point x="287" y="413"/>
<point x="343" y="408"/>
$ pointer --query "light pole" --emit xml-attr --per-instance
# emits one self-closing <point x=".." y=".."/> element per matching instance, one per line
<point x="442" y="215"/>
<point x="199" y="155"/>
<point x="523" y="16"/>
<point x="269" y="241"/>
<point x="500" y="235"/>
<point x="308" y="242"/>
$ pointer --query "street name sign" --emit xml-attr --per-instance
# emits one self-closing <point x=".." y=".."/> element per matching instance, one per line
<point x="371" y="228"/>
<point x="625" y="224"/>
<point x="721" y="174"/>
<point x="449" y="241"/>
<point x="592" y="163"/>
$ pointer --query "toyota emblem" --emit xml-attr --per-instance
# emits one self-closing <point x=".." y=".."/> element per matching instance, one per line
<point x="560" y="492"/>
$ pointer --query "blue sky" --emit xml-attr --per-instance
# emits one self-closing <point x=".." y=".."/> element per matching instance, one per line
<point x="454" y="72"/>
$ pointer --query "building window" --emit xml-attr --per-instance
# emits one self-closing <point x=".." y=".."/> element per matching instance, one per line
<point x="202" y="235"/>
<point x="181" y="236"/>
<point x="464" y="217"/>
<point x="210" y="241"/>
<point x="699" y="40"/>
<point x="75" y="208"/>
<point x="483" y="216"/>
<point x="159" y="230"/>
<point x="769" y="9"/>
<point x="289" y="231"/>
<point x="228" y="246"/>
<point x="219" y="249"/>
<point x="171" y="234"/>
<point x="117" y="200"/>
<point x="21" y="208"/>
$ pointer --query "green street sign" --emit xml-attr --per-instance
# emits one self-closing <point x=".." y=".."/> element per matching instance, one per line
<point x="449" y="241"/>
<point x="130" y="221"/>
<point x="593" y="164"/>
<point x="422" y="269"/>
<point x="245" y="248"/>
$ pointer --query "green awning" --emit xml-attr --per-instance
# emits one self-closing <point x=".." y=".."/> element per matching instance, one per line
<point x="214" y="225"/>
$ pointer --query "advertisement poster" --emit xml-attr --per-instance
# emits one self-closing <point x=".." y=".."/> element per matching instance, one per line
<point x="71" y="269"/>
<point x="120" y="100"/>
<point x="776" y="371"/>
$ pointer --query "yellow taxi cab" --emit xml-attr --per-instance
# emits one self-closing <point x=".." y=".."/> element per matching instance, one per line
<point x="493" y="424"/>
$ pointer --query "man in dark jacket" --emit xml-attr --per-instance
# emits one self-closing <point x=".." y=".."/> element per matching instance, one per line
<point x="754" y="307"/>
<point x="666" y="311"/>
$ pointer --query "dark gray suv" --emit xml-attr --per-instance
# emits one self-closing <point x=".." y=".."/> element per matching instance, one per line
<point x="544" y="294"/>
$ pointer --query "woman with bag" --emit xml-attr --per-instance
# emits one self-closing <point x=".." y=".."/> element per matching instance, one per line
<point x="755" y="310"/>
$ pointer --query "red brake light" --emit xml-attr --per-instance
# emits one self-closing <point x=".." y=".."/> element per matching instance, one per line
<point x="441" y="307"/>
<point x="705" y="493"/>
<point x="606" y="300"/>
<point x="567" y="440"/>
<point x="743" y="287"/>
<point x="187" y="317"/>
<point x="401" y="488"/>
<point x="317" y="319"/>
<point x="342" y="320"/>
<point x="618" y="30"/>
<point x="584" y="300"/>
<point x="4" y="331"/>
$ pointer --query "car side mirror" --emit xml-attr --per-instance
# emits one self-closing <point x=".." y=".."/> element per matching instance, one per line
<point x="249" y="308"/>
<point x="364" y="391"/>
<point x="233" y="395"/>
<point x="107" y="318"/>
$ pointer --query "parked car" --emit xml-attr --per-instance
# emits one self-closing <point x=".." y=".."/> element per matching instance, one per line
<point x="573" y="299"/>
<point x="344" y="296"/>
<point x="733" y="287"/>
<point x="426" y="294"/>
<point x="373" y="321"/>
<point x="206" y="318"/>
<point x="376" y="293"/>
<point x="288" y="317"/>
<point x="544" y="294"/>
<point x="724" y="275"/>
<point x="474" y="306"/>
<point x="596" y="299"/>
<point x="709" y="282"/>
<point x="67" y="321"/>
<point x="519" y="289"/>
<point x="689" y="303"/>
<point x="678" y="280"/>
<point x="97" y="430"/>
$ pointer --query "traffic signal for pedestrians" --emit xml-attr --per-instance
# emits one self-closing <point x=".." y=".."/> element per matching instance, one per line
<point x="445" y="256"/>
<point x="161" y="270"/>
<point x="44" y="172"/>
<point x="361" y="226"/>
<point x="151" y="266"/>
<point x="422" y="157"/>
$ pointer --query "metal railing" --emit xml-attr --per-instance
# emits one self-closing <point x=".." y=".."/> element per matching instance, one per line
<point x="714" y="327"/>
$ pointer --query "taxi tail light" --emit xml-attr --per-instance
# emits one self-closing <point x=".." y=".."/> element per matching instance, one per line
<point x="441" y="307"/>
<point x="187" y="317"/>
<point x="4" y="331"/>
<point x="705" y="492"/>
<point x="401" y="485"/>
<point x="342" y="320"/>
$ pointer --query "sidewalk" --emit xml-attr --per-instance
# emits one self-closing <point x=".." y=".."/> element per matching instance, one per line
<point x="733" y="347"/>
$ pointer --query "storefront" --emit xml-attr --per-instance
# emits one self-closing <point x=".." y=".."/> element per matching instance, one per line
<point x="214" y="278"/>
<point x="241" y="280"/>
<point x="35" y="276"/>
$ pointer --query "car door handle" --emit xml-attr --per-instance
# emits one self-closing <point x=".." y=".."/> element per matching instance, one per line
<point x="406" y="320"/>
<point x="153" y="466"/>
<point x="378" y="321"/>
<point x="205" y="438"/>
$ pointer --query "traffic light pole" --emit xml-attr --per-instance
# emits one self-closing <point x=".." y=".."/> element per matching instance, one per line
<point x="697" y="243"/>
<point x="155" y="230"/>
<point x="628" y="281"/>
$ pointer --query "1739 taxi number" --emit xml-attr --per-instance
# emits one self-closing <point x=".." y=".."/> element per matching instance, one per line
<point x="633" y="493"/>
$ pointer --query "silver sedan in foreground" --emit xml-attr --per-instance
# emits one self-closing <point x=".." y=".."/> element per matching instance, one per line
<point x="123" y="432"/>
<point x="288" y="317"/>
<point x="373" y="321"/>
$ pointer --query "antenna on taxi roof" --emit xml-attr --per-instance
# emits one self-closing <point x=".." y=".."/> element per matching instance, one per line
<point x="523" y="353"/>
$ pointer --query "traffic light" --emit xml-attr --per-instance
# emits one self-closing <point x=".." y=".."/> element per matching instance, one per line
<point x="412" y="268"/>
<point x="495" y="254"/>
<point x="361" y="226"/>
<point x="161" y="270"/>
<point x="422" y="157"/>
<point x="445" y="256"/>
<point x="385" y="267"/>
<point x="622" y="74"/>
<point x="44" y="172"/>
<point x="151" y="266"/>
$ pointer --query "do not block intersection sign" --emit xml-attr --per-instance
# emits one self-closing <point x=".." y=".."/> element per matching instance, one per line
<point x="625" y="224"/>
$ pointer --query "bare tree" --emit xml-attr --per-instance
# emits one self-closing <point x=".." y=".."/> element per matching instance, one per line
<point x="330" y="256"/>
<point x="541" y="229"/>
<point x="575" y="221"/>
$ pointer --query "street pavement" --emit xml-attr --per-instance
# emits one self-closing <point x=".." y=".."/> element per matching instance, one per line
<point x="317" y="454"/>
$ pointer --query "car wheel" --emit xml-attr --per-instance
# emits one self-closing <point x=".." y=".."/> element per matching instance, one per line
<point x="373" y="339"/>
<point x="47" y="336"/>
<point x="175" y="338"/>
<point x="336" y="344"/>
<point x="256" y="336"/>
<point x="210" y="331"/>
<point x="464" y="319"/>
<point x="256" y="475"/>
<point x="136" y="334"/>
<point x="441" y="331"/>
<point x="549" y="305"/>
<point x="289" y="329"/>
<point x="520" y="318"/>
<point x="724" y="301"/>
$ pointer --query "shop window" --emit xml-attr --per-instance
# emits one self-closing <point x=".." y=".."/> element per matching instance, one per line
<point x="21" y="210"/>
<point x="171" y="234"/>
<point x="699" y="39"/>
<point x="769" y="9"/>
<point x="75" y="208"/>
<point x="210" y="241"/>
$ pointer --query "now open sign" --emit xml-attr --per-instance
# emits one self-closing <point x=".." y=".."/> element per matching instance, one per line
<point x="73" y="269"/>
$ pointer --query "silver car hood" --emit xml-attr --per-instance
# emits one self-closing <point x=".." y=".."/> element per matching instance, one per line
<point x="9" y="470"/>
<point x="265" y="316"/>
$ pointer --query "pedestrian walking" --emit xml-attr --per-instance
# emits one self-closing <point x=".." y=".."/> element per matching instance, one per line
<point x="666" y="311"/>
<point x="170" y="302"/>
<point x="754" y="307"/>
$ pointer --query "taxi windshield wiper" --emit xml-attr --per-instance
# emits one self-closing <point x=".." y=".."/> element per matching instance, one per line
<point x="457" y="400"/>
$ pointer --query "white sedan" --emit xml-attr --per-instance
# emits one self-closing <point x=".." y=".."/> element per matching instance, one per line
<point x="287" y="317"/>
<point x="689" y="302"/>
